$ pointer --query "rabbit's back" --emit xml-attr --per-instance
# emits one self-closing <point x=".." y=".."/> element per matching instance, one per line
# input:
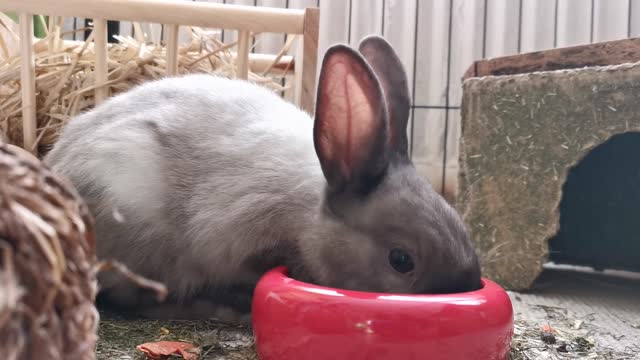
<point x="192" y="175"/>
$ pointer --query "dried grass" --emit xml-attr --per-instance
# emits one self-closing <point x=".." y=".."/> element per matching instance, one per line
<point x="565" y="342"/>
<point x="65" y="73"/>
<point x="47" y="257"/>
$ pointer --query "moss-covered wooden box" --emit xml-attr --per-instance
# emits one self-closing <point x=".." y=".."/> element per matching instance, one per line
<point x="526" y="121"/>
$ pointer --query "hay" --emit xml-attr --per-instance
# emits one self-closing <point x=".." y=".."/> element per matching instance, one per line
<point x="566" y="341"/>
<point x="65" y="73"/>
<point x="47" y="257"/>
<point x="119" y="337"/>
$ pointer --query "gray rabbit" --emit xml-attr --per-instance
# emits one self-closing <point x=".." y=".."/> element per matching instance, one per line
<point x="204" y="183"/>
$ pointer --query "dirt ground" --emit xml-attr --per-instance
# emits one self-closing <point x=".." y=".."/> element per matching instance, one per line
<point x="119" y="338"/>
<point x="595" y="315"/>
<point x="585" y="316"/>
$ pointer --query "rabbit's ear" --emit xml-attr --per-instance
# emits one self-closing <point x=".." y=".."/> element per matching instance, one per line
<point x="351" y="132"/>
<point x="389" y="70"/>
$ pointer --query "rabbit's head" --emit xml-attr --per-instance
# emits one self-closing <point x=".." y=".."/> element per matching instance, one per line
<point x="382" y="227"/>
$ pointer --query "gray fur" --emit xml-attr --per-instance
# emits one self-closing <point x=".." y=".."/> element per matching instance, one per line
<point x="204" y="183"/>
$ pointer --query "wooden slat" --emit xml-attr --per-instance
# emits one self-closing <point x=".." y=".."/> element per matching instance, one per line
<point x="84" y="25"/>
<point x="574" y="23"/>
<point x="294" y="92"/>
<point x="538" y="25"/>
<point x="67" y="25"/>
<point x="51" y="28"/>
<point x="309" y="59"/>
<point x="216" y="32"/>
<point x="28" y="83"/>
<point x="172" y="49"/>
<point x="466" y="43"/>
<point x="427" y="128"/>
<point x="70" y="24"/>
<point x="152" y="32"/>
<point x="57" y="31"/>
<point x="101" y="66"/>
<point x="610" y="20"/>
<point x="242" y="61"/>
<point x="184" y="35"/>
<point x="366" y="19"/>
<point x="432" y="54"/>
<point x="293" y="83"/>
<point x="261" y="62"/>
<point x="451" y="170"/>
<point x="467" y="33"/>
<point x="428" y="147"/>
<point x="400" y="30"/>
<point x="604" y="53"/>
<point x="202" y="14"/>
<point x="257" y="62"/>
<point x="334" y="22"/>
<point x="54" y="38"/>
<point x="634" y="18"/>
<point x="231" y="36"/>
<point x="502" y="27"/>
<point x="303" y="4"/>
<point x="270" y="43"/>
<point x="126" y="28"/>
<point x="81" y="23"/>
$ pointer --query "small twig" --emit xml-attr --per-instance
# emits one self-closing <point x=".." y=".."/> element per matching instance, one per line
<point x="212" y="53"/>
<point x="281" y="53"/>
<point x="159" y="288"/>
<point x="42" y="132"/>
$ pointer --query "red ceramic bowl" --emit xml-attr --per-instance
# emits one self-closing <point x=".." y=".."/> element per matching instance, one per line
<point x="293" y="320"/>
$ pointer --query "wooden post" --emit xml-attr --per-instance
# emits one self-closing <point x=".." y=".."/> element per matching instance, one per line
<point x="28" y="84"/>
<point x="296" y="90"/>
<point x="102" y="69"/>
<point x="172" y="49"/>
<point x="309" y="59"/>
<point x="242" y="71"/>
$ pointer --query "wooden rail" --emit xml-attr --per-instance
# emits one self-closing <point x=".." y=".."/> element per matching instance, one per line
<point x="101" y="51"/>
<point x="202" y="14"/>
<point x="28" y="82"/>
<point x="172" y="13"/>
<point x="172" y="49"/>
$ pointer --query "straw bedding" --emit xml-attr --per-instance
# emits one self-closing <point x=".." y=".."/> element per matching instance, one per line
<point x="47" y="257"/>
<point x="65" y="73"/>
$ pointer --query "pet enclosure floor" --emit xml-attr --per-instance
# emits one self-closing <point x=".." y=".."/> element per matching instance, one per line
<point x="601" y="307"/>
<point x="598" y="315"/>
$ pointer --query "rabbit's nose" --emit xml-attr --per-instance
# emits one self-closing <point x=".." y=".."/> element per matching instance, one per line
<point x="454" y="282"/>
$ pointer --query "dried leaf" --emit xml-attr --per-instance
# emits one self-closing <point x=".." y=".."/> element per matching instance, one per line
<point x="162" y="350"/>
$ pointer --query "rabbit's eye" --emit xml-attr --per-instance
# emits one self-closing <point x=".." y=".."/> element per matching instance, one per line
<point x="400" y="261"/>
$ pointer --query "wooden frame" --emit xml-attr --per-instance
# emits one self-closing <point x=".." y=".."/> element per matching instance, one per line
<point x="599" y="54"/>
<point x="172" y="13"/>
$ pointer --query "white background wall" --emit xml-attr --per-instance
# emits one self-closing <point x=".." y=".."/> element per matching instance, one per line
<point x="438" y="40"/>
